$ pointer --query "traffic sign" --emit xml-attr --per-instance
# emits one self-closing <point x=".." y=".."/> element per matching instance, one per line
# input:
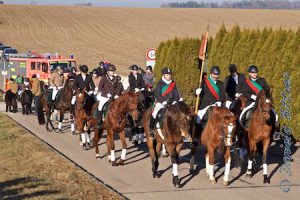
<point x="150" y="55"/>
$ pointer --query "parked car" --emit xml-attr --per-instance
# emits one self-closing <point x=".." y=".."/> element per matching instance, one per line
<point x="8" y="51"/>
<point x="2" y="48"/>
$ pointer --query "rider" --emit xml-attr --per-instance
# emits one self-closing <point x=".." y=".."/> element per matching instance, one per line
<point x="26" y="85"/>
<point x="212" y="92"/>
<point x="136" y="81"/>
<point x="233" y="85"/>
<point x="251" y="88"/>
<point x="56" y="82"/>
<point x="149" y="78"/>
<point x="166" y="93"/>
<point x="72" y="73"/>
<point x="96" y="77"/>
<point x="109" y="88"/>
<point x="36" y="89"/>
<point x="84" y="80"/>
<point x="13" y="87"/>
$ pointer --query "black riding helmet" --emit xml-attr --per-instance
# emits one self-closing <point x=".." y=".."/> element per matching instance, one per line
<point x="232" y="68"/>
<point x="149" y="68"/>
<point x="253" y="69"/>
<point x="134" y="67"/>
<point x="95" y="71"/>
<point x="166" y="70"/>
<point x="111" y="68"/>
<point x="215" y="70"/>
<point x="84" y="68"/>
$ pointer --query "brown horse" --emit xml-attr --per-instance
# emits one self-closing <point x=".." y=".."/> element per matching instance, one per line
<point x="63" y="104"/>
<point x="176" y="125"/>
<point x="10" y="101"/>
<point x="115" y="122"/>
<point x="259" y="131"/>
<point x="84" y="117"/>
<point x="218" y="133"/>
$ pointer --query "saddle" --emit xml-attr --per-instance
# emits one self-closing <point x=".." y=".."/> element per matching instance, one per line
<point x="160" y="117"/>
<point x="205" y="118"/>
<point x="104" y="110"/>
<point x="57" y="97"/>
<point x="246" y="117"/>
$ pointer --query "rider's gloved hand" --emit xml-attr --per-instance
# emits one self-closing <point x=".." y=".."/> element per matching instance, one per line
<point x="90" y="93"/>
<point x="116" y="96"/>
<point x="95" y="92"/>
<point x="174" y="102"/>
<point x="164" y="103"/>
<point x="237" y="95"/>
<point x="142" y="89"/>
<point x="198" y="91"/>
<point x="253" y="97"/>
<point x="219" y="103"/>
<point x="136" y="90"/>
<point x="109" y="95"/>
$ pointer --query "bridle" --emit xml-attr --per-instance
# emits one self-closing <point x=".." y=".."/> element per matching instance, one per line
<point x="223" y="136"/>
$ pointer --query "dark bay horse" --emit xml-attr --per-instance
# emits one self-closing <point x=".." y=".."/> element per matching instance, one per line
<point x="62" y="104"/>
<point x="115" y="122"/>
<point x="259" y="131"/>
<point x="26" y="101"/>
<point x="84" y="116"/>
<point x="218" y="133"/>
<point x="175" y="126"/>
<point x="10" y="101"/>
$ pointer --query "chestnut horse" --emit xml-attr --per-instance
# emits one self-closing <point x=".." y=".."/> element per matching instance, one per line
<point x="259" y="131"/>
<point x="115" y="122"/>
<point x="62" y="105"/>
<point x="84" y="116"/>
<point x="175" y="126"/>
<point x="218" y="133"/>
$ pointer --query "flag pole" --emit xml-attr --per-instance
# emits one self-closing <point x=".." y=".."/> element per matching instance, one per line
<point x="202" y="68"/>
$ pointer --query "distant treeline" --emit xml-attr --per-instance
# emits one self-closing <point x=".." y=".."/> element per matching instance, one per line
<point x="252" y="4"/>
<point x="275" y="52"/>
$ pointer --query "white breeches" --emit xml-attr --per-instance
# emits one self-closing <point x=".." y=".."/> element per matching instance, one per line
<point x="158" y="106"/>
<point x="246" y="109"/>
<point x="55" y="91"/>
<point x="201" y="113"/>
<point x="228" y="103"/>
<point x="102" y="100"/>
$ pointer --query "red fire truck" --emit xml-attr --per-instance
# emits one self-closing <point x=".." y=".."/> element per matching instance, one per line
<point x="27" y="64"/>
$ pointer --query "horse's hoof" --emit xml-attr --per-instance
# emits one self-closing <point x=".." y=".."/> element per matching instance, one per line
<point x="226" y="183"/>
<point x="121" y="162"/>
<point x="113" y="163"/>
<point x="191" y="171"/>
<point x="249" y="174"/>
<point x="84" y="146"/>
<point x="73" y="133"/>
<point x="266" y="180"/>
<point x="61" y="131"/>
<point x="136" y="143"/>
<point x="176" y="181"/>
<point x="212" y="181"/>
<point x="165" y="155"/>
<point x="98" y="156"/>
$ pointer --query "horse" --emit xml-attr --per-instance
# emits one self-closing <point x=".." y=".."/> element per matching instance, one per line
<point x="115" y="122"/>
<point x="176" y="125"/>
<point x="10" y="101"/>
<point x="218" y="133"/>
<point x="84" y="116"/>
<point x="62" y="104"/>
<point x="26" y="101"/>
<point x="260" y="131"/>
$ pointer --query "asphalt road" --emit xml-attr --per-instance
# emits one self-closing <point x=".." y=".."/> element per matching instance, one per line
<point x="134" y="179"/>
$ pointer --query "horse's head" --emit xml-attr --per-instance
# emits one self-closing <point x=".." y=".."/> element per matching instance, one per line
<point x="185" y="119"/>
<point x="80" y="98"/>
<point x="227" y="127"/>
<point x="70" y="84"/>
<point x="133" y="101"/>
<point x="264" y="104"/>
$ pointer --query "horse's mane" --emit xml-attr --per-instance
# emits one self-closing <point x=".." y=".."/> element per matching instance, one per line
<point x="262" y="93"/>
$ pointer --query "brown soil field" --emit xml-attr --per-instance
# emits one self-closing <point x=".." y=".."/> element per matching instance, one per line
<point x="120" y="35"/>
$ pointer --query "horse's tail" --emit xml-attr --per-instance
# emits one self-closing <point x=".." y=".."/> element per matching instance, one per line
<point x="39" y="110"/>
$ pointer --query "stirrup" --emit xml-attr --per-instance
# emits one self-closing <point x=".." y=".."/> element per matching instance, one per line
<point x="152" y="135"/>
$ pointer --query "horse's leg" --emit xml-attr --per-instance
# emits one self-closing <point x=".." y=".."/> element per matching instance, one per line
<point x="48" y="113"/>
<point x="124" y="147"/>
<point x="152" y="145"/>
<point x="97" y="136"/>
<point x="227" y="159"/>
<point x="23" y="109"/>
<point x="72" y="124"/>
<point x="87" y="133"/>
<point x="61" y="116"/>
<point x="111" y="147"/>
<point x="164" y="151"/>
<point x="80" y="126"/>
<point x="252" y="150"/>
<point x="266" y="143"/>
<point x="172" y="150"/>
<point x="210" y="161"/>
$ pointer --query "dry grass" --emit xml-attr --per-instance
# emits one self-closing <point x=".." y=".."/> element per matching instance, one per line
<point x="121" y="35"/>
<point x="29" y="169"/>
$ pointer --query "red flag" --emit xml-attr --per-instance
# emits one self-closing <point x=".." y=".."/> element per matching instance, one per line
<point x="202" y="50"/>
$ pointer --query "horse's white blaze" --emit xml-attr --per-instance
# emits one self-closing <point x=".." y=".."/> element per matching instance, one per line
<point x="72" y="127"/>
<point x="87" y="138"/>
<point x="227" y="170"/>
<point x="123" y="154"/>
<point x="112" y="155"/>
<point x="268" y="101"/>
<point x="83" y="138"/>
<point x="265" y="169"/>
<point x="175" y="169"/>
<point x="164" y="150"/>
<point x="59" y="125"/>
<point x="250" y="164"/>
<point x="80" y="95"/>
